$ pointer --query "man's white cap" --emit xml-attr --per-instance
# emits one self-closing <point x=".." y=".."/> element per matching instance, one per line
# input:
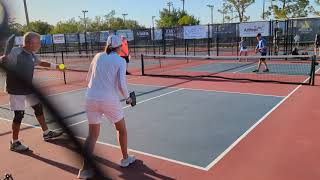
<point x="114" y="41"/>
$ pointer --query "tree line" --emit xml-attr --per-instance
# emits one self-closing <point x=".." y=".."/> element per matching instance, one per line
<point x="232" y="10"/>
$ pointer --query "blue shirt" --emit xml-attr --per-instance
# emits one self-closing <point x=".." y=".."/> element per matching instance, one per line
<point x="262" y="45"/>
<point x="243" y="45"/>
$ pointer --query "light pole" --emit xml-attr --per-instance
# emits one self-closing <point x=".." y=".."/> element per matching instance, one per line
<point x="85" y="29"/>
<point x="153" y="21"/>
<point x="183" y="1"/>
<point x="211" y="8"/>
<point x="84" y="19"/>
<point x="26" y="12"/>
<point x="124" y="18"/>
<point x="264" y="3"/>
<point x="170" y="4"/>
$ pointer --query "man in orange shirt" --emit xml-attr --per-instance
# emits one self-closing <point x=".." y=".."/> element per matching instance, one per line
<point x="124" y="53"/>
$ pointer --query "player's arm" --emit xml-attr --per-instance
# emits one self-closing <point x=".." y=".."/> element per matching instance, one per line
<point x="122" y="80"/>
<point x="89" y="75"/>
<point x="257" y="48"/>
<point x="48" y="65"/>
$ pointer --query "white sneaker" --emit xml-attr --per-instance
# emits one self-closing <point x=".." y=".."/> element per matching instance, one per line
<point x="128" y="161"/>
<point x="85" y="174"/>
<point x="18" y="147"/>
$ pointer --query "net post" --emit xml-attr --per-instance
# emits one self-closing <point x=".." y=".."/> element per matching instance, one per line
<point x="174" y="45"/>
<point x="153" y="39"/>
<point x="64" y="72"/>
<point x="314" y="59"/>
<point x="142" y="65"/>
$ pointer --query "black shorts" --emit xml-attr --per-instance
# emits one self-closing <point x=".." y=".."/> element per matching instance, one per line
<point x="126" y="58"/>
<point x="263" y="54"/>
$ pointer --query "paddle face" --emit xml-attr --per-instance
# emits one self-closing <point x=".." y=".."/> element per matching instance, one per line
<point x="133" y="98"/>
<point x="9" y="45"/>
<point x="4" y="28"/>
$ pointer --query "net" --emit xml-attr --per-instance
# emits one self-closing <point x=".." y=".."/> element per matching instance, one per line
<point x="76" y="66"/>
<point x="73" y="62"/>
<point x="282" y="69"/>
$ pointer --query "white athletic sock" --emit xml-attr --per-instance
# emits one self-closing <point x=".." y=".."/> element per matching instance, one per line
<point x="14" y="141"/>
<point x="46" y="132"/>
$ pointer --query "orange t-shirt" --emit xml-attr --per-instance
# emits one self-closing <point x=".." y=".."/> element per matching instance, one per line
<point x="124" y="49"/>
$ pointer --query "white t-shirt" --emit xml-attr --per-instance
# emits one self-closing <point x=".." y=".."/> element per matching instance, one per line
<point x="107" y="77"/>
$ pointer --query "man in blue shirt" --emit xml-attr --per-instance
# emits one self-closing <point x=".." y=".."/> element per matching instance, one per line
<point x="262" y="49"/>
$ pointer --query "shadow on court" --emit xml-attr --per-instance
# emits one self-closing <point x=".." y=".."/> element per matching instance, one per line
<point x="138" y="170"/>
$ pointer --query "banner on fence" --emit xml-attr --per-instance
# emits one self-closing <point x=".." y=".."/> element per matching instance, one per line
<point x="46" y="39"/>
<point x="104" y="36"/>
<point x="128" y="33"/>
<point x="223" y="30"/>
<point x="169" y="33"/>
<point x="195" y="32"/>
<point x="157" y="34"/>
<point x="72" y="38"/>
<point x="58" y="39"/>
<point x="142" y="34"/>
<point x="251" y="29"/>
<point x="82" y="38"/>
<point x="93" y="37"/>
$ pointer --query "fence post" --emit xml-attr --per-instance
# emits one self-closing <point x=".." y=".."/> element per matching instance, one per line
<point x="217" y="39"/>
<point x="209" y="40"/>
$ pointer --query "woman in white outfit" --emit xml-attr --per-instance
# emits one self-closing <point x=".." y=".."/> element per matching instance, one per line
<point x="106" y="78"/>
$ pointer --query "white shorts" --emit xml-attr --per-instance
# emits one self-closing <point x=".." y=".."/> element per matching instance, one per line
<point x="243" y="50"/>
<point x="111" y="110"/>
<point x="18" y="102"/>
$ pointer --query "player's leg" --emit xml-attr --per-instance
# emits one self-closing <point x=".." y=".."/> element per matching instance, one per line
<point x="259" y="65"/>
<point x="266" y="66"/>
<point x="123" y="142"/>
<point x="37" y="107"/>
<point x="94" y="115"/>
<point x="17" y="104"/>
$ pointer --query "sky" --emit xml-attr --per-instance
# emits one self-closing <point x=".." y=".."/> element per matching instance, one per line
<point x="53" y="11"/>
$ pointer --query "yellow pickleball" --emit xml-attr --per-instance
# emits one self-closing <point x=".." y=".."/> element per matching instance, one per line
<point x="61" y="66"/>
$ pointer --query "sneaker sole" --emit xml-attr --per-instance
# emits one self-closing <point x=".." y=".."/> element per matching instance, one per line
<point x="52" y="138"/>
<point x="129" y="163"/>
<point x="19" y="151"/>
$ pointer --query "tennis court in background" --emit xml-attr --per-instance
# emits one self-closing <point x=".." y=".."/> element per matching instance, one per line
<point x="193" y="114"/>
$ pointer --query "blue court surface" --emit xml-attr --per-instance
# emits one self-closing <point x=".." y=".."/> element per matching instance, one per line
<point x="285" y="69"/>
<point x="192" y="127"/>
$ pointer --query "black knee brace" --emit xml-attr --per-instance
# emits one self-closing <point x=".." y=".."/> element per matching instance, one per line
<point x="38" y="110"/>
<point x="18" y="116"/>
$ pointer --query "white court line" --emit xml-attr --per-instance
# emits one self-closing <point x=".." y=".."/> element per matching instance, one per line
<point x="205" y="90"/>
<point x="224" y="153"/>
<point x="130" y="105"/>
<point x="244" y="69"/>
<point x="219" y="157"/>
<point x="66" y="92"/>
<point x="151" y="155"/>
<point x="132" y="150"/>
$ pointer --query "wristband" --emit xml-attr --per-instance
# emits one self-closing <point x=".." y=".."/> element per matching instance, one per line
<point x="52" y="65"/>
